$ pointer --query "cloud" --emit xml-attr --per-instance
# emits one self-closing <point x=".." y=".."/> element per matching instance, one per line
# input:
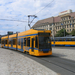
<point x="2" y="32"/>
<point x="20" y="9"/>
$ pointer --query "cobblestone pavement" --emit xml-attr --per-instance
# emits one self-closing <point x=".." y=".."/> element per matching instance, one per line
<point x="15" y="63"/>
<point x="64" y="52"/>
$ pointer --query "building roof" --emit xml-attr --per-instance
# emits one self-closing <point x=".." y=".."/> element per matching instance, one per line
<point x="72" y="14"/>
<point x="52" y="20"/>
<point x="57" y="19"/>
<point x="44" y="21"/>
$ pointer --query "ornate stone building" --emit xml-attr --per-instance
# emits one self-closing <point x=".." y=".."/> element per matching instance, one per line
<point x="65" y="19"/>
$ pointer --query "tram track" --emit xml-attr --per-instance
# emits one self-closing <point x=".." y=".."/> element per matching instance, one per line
<point x="60" y="62"/>
<point x="59" y="65"/>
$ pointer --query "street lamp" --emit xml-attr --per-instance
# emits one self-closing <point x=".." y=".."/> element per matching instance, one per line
<point x="64" y="29"/>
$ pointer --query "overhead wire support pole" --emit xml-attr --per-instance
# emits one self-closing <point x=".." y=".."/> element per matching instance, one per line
<point x="32" y="20"/>
<point x="29" y="22"/>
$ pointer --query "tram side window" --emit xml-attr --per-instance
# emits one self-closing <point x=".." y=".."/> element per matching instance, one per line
<point x="51" y="39"/>
<point x="56" y="39"/>
<point x="72" y="39"/>
<point x="2" y="41"/>
<point x="9" y="41"/>
<point x="5" y="41"/>
<point x="36" y="42"/>
<point x="60" y="39"/>
<point x="64" y="39"/>
<point x="28" y="41"/>
<point x="24" y="41"/>
<point x="14" y="42"/>
<point x="18" y="41"/>
<point x="68" y="39"/>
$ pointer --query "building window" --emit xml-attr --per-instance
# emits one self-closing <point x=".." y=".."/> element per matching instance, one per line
<point x="70" y="29"/>
<point x="58" y="27"/>
<point x="73" y="25"/>
<point x="50" y="24"/>
<point x="73" y="29"/>
<point x="67" y="18"/>
<point x="67" y="21"/>
<point x="73" y="20"/>
<point x="70" y="21"/>
<point x="67" y="30"/>
<point x="70" y="25"/>
<point x="50" y="28"/>
<point x="67" y="26"/>
<point x="64" y="26"/>
<point x="71" y="17"/>
<point x="64" y="18"/>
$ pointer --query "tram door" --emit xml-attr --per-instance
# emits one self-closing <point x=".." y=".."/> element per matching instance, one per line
<point x="11" y="43"/>
<point x="32" y="44"/>
<point x="4" y="42"/>
<point x="21" y="43"/>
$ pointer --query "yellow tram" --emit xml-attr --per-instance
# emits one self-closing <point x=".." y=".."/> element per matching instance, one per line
<point x="63" y="41"/>
<point x="35" y="42"/>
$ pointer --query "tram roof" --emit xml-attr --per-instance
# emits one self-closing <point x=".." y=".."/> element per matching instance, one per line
<point x="4" y="37"/>
<point x="63" y="37"/>
<point x="13" y="35"/>
<point x="32" y="31"/>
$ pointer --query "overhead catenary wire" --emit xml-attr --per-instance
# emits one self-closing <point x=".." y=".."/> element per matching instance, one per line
<point x="44" y="7"/>
<point x="35" y="14"/>
<point x="13" y="20"/>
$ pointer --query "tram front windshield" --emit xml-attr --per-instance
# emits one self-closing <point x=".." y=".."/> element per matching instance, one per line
<point x="44" y="42"/>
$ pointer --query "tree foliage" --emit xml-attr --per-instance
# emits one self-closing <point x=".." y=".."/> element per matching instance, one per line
<point x="73" y="32"/>
<point x="60" y="33"/>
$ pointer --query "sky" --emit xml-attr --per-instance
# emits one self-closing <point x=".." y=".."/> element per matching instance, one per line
<point x="14" y="13"/>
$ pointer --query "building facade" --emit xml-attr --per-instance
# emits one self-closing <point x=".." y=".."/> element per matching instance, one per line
<point x="65" y="19"/>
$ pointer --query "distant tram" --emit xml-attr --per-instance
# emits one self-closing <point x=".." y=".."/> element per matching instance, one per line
<point x="34" y="42"/>
<point x="63" y="41"/>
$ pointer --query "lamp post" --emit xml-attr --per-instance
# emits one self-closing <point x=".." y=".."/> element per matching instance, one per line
<point x="64" y="32"/>
<point x="64" y="29"/>
<point x="53" y="33"/>
<point x="53" y="28"/>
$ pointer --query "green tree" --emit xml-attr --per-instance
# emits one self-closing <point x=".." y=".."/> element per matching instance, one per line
<point x="73" y="32"/>
<point x="60" y="33"/>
